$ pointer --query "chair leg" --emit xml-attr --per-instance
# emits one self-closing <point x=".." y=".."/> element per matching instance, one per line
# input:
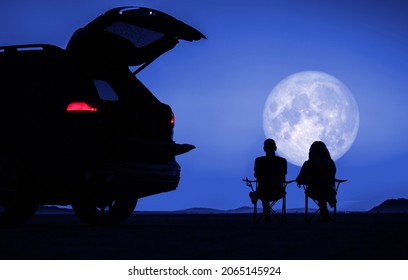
<point x="255" y="213"/>
<point x="307" y="218"/>
<point x="283" y="218"/>
<point x="306" y="208"/>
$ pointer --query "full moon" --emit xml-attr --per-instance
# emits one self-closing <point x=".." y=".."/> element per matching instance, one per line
<point x="310" y="106"/>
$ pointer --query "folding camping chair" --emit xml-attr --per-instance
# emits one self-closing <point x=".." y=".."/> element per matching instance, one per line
<point x="272" y="203"/>
<point x="311" y="216"/>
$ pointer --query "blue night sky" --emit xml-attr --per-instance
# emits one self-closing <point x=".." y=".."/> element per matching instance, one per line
<point x="217" y="87"/>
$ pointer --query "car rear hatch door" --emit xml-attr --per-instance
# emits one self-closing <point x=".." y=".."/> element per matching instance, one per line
<point x="129" y="35"/>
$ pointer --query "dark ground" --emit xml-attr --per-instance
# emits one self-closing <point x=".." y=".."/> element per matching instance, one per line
<point x="219" y="236"/>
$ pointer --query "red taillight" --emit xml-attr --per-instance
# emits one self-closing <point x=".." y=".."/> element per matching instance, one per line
<point x="173" y="119"/>
<point x="80" y="107"/>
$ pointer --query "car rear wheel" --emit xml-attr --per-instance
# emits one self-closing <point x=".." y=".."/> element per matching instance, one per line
<point x="17" y="202"/>
<point x="114" y="212"/>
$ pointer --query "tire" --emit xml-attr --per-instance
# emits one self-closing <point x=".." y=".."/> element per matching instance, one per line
<point x="112" y="213"/>
<point x="17" y="200"/>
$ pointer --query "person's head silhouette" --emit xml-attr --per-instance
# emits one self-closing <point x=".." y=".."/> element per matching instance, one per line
<point x="318" y="150"/>
<point x="269" y="146"/>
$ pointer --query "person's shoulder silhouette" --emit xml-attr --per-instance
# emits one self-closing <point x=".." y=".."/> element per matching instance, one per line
<point x="270" y="166"/>
<point x="319" y="169"/>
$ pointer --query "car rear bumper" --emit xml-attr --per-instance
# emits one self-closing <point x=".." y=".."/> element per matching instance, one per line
<point x="135" y="179"/>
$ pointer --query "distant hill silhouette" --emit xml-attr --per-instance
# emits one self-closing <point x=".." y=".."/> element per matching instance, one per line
<point x="198" y="211"/>
<point x="241" y="210"/>
<point x="399" y="205"/>
<point x="52" y="209"/>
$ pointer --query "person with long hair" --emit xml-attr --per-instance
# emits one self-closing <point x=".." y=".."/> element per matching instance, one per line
<point x="318" y="173"/>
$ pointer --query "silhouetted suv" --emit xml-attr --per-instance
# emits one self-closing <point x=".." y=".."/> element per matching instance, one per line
<point x="78" y="128"/>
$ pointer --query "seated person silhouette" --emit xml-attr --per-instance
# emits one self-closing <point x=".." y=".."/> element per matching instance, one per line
<point x="270" y="172"/>
<point x="318" y="174"/>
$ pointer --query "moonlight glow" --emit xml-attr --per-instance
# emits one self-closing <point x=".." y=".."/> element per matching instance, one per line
<point x="310" y="106"/>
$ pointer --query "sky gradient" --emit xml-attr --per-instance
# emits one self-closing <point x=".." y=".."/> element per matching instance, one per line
<point x="217" y="87"/>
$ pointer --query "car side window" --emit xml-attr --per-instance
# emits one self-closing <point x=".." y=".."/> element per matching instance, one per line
<point x="105" y="91"/>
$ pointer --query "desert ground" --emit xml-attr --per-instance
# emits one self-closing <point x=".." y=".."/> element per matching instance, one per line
<point x="358" y="236"/>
